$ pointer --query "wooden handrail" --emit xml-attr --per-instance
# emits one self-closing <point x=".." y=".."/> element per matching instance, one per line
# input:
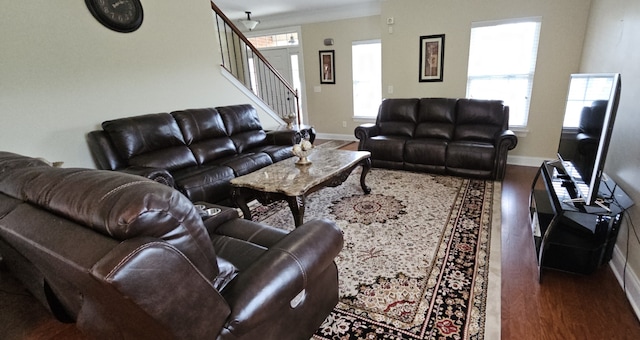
<point x="259" y="55"/>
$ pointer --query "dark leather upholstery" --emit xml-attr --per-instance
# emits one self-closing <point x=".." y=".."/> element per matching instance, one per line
<point x="197" y="151"/>
<point x="125" y="257"/>
<point x="462" y="137"/>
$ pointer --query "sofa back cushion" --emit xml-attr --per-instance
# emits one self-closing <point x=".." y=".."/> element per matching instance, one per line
<point x="397" y="117"/>
<point x="118" y="205"/>
<point x="152" y="140"/>
<point x="243" y="126"/>
<point x="436" y="118"/>
<point x="480" y="120"/>
<point x="204" y="132"/>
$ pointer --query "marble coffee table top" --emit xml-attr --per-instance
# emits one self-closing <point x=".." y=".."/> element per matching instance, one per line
<point x="291" y="179"/>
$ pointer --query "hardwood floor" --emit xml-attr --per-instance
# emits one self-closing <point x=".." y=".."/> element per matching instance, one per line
<point x="564" y="306"/>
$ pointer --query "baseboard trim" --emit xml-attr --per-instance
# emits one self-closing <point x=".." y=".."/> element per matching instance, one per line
<point x="525" y="161"/>
<point x="632" y="282"/>
<point x="335" y="136"/>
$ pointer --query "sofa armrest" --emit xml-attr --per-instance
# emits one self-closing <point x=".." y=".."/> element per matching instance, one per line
<point x="505" y="142"/>
<point x="225" y="215"/>
<point x="103" y="152"/>
<point x="284" y="137"/>
<point x="278" y="279"/>
<point x="366" y="131"/>
<point x="507" y="139"/>
<point x="151" y="288"/>
<point x="156" y="174"/>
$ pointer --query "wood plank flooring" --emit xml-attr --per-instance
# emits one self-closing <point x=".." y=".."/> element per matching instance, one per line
<point x="564" y="306"/>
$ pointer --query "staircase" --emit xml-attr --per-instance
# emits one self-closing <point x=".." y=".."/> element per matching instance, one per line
<point x="241" y="59"/>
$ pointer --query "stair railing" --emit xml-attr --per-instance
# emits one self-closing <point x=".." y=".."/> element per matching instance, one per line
<point x="251" y="68"/>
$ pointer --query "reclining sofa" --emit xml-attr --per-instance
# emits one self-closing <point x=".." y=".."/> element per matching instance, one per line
<point x="197" y="151"/>
<point x="125" y="257"/>
<point x="461" y="137"/>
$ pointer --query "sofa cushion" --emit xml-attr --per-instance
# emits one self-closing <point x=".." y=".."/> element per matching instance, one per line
<point x="243" y="126"/>
<point x="205" y="134"/>
<point x="152" y="140"/>
<point x="480" y="120"/>
<point x="120" y="205"/>
<point x="207" y="183"/>
<point x="436" y="118"/>
<point x="246" y="162"/>
<point x="471" y="155"/>
<point x="397" y="117"/>
<point x="425" y="151"/>
<point x="276" y="152"/>
<point x="386" y="148"/>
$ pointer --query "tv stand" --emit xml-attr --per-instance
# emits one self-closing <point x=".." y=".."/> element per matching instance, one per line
<point x="568" y="234"/>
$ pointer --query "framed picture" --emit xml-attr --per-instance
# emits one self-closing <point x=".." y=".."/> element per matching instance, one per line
<point x="327" y="67"/>
<point x="431" y="57"/>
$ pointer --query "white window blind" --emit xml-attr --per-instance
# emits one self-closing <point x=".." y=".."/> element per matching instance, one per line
<point x="502" y="63"/>
<point x="367" y="78"/>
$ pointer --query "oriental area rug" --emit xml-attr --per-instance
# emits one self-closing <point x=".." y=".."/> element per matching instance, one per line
<point x="420" y="259"/>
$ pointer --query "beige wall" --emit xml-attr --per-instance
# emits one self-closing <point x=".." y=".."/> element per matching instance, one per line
<point x="326" y="110"/>
<point x="62" y="73"/>
<point x="613" y="45"/>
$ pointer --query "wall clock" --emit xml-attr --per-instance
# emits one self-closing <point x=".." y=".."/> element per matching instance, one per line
<point x="119" y="15"/>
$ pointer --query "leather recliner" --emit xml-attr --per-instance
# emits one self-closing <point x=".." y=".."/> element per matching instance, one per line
<point x="125" y="257"/>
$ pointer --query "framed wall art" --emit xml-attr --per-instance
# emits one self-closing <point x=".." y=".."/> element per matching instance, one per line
<point x="327" y="67"/>
<point x="431" y="57"/>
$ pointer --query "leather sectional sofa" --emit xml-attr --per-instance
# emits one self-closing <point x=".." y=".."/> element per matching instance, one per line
<point x="125" y="257"/>
<point x="197" y="151"/>
<point x="461" y="137"/>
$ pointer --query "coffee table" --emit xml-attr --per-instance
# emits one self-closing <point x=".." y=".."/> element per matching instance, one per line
<point x="290" y="182"/>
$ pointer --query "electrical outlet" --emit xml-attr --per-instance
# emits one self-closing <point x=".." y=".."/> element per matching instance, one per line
<point x="344" y="123"/>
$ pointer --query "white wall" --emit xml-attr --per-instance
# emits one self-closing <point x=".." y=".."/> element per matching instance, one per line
<point x="613" y="45"/>
<point x="62" y="73"/>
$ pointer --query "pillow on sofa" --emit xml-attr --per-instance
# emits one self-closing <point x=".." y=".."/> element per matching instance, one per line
<point x="152" y="140"/>
<point x="243" y="126"/>
<point x="397" y="117"/>
<point x="480" y="120"/>
<point x="205" y="134"/>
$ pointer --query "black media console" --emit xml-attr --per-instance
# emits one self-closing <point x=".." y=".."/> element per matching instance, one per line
<point x="569" y="235"/>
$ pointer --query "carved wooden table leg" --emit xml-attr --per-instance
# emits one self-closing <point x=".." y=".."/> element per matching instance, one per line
<point x="297" y="204"/>
<point x="240" y="202"/>
<point x="366" y="166"/>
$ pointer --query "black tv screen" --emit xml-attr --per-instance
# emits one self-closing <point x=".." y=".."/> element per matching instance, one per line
<point x="591" y="108"/>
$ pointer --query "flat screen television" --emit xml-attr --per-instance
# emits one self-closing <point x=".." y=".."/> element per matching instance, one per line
<point x="591" y="109"/>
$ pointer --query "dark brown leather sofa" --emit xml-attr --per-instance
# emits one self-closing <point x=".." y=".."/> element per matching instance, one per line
<point x="125" y="257"/>
<point x="197" y="151"/>
<point x="461" y="137"/>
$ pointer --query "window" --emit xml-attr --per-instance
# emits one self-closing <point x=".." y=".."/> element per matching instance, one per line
<point x="502" y="61"/>
<point x="367" y="78"/>
<point x="275" y="40"/>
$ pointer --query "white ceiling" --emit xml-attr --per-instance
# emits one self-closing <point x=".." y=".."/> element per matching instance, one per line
<point x="272" y="13"/>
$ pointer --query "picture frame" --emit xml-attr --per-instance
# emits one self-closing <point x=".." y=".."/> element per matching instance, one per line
<point x="431" y="58"/>
<point x="327" y="67"/>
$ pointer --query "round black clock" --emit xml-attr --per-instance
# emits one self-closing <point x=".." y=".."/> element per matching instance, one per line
<point x="119" y="15"/>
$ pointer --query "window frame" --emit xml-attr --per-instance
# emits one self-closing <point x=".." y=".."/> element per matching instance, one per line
<point x="507" y="76"/>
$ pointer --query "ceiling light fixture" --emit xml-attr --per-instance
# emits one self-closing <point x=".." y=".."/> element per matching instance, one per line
<point x="249" y="23"/>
